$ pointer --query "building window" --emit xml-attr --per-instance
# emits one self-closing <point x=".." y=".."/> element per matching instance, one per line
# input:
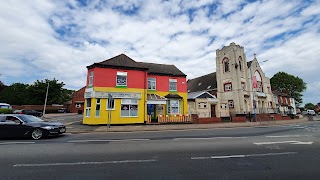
<point x="269" y="90"/>
<point x="90" y="78"/>
<point x="110" y="104"/>
<point x="258" y="80"/>
<point x="152" y="83"/>
<point x="173" y="107"/>
<point x="202" y="105"/>
<point x="230" y="102"/>
<point x="88" y="107"/>
<point x="240" y="65"/>
<point x="223" y="106"/>
<point x="172" y="85"/>
<point x="243" y="86"/>
<point x="129" y="108"/>
<point x="78" y="105"/>
<point x="227" y="87"/>
<point x="226" y="65"/>
<point x="121" y="78"/>
<point x="98" y="108"/>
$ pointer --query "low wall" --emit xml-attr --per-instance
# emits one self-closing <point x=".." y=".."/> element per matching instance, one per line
<point x="209" y="120"/>
<point x="239" y="119"/>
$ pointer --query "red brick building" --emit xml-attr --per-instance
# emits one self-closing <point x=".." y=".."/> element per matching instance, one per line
<point x="78" y="101"/>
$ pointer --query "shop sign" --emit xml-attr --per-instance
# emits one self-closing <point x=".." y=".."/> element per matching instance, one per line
<point x="117" y="95"/>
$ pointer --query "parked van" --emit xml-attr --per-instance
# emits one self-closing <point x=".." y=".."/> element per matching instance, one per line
<point x="311" y="112"/>
<point x="5" y="106"/>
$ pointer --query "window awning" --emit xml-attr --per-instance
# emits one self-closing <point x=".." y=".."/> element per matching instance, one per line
<point x="173" y="96"/>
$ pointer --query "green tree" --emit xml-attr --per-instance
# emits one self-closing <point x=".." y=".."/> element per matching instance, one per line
<point x="289" y="84"/>
<point x="20" y="94"/>
<point x="17" y="94"/>
<point x="55" y="92"/>
<point x="2" y="86"/>
<point x="309" y="106"/>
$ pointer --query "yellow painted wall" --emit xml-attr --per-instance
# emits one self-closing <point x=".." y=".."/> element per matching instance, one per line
<point x="115" y="114"/>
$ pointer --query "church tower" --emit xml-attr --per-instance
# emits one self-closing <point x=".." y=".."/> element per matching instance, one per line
<point x="233" y="89"/>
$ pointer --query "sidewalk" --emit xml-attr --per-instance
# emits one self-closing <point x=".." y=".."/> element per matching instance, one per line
<point x="167" y="127"/>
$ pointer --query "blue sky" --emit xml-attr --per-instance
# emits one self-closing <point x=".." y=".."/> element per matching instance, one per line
<point x="57" y="39"/>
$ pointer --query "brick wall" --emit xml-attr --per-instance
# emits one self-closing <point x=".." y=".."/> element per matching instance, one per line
<point x="239" y="119"/>
<point x="77" y="98"/>
<point x="209" y="120"/>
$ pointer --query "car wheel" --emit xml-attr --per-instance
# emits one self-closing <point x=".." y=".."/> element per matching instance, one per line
<point x="36" y="134"/>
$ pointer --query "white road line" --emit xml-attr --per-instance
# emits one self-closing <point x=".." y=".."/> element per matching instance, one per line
<point x="286" y="136"/>
<point x="106" y="140"/>
<point x="6" y="143"/>
<point x="243" y="155"/>
<point x="209" y="138"/>
<point x="85" y="163"/>
<point x="282" y="142"/>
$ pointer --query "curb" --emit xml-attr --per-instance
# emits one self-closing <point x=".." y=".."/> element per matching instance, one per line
<point x="111" y="130"/>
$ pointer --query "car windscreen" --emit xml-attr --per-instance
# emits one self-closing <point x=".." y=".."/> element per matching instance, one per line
<point x="28" y="119"/>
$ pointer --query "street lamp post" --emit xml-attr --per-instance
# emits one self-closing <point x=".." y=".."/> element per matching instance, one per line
<point x="45" y="102"/>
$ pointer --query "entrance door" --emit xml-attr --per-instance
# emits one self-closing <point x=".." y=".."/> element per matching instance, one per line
<point x="213" y="110"/>
<point x="152" y="112"/>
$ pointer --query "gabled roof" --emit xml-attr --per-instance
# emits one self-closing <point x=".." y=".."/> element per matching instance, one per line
<point x="203" y="83"/>
<point x="194" y="95"/>
<point x="162" y="69"/>
<point x="120" y="61"/>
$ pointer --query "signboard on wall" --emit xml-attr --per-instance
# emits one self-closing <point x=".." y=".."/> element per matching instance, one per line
<point x="116" y="95"/>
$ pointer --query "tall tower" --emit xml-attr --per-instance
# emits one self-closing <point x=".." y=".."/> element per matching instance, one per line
<point x="232" y="77"/>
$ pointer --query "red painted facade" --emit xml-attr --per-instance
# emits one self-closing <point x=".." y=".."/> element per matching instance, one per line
<point x="162" y="83"/>
<point x="106" y="77"/>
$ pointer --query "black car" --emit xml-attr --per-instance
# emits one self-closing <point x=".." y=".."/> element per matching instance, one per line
<point x="28" y="112"/>
<point x="19" y="125"/>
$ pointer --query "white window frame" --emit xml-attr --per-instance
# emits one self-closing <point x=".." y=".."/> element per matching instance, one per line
<point x="175" y="82"/>
<point x="88" y="107"/>
<point x="227" y="87"/>
<point x="114" y="105"/>
<point x="98" y="104"/>
<point x="151" y="81"/>
<point x="170" y="107"/>
<point x="130" y="102"/>
<point x="78" y="105"/>
<point x="90" y="83"/>
<point x="122" y="74"/>
<point x="231" y="103"/>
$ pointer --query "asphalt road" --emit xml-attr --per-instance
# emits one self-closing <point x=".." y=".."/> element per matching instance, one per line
<point x="276" y="152"/>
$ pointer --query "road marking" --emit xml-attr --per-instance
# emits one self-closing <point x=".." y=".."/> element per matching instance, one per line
<point x="282" y="142"/>
<point x="286" y="136"/>
<point x="107" y="140"/>
<point x="243" y="155"/>
<point x="209" y="138"/>
<point x="6" y="143"/>
<point x="85" y="163"/>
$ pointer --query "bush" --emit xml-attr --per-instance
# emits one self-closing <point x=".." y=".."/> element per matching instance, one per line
<point x="6" y="111"/>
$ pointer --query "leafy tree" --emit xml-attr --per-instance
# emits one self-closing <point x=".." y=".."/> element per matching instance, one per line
<point x="20" y="94"/>
<point x="2" y="86"/>
<point x="309" y="106"/>
<point x="17" y="94"/>
<point x="289" y="84"/>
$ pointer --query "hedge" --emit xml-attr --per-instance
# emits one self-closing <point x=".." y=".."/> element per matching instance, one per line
<point x="6" y="111"/>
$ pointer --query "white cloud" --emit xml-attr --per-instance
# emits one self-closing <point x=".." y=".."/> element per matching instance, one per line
<point x="285" y="33"/>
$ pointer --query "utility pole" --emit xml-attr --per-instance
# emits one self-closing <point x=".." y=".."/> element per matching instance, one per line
<point x="45" y="102"/>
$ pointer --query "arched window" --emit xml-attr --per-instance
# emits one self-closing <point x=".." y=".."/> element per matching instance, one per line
<point x="225" y="65"/>
<point x="240" y="63"/>
<point x="259" y="81"/>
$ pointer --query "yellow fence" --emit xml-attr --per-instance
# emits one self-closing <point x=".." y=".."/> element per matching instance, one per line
<point x="162" y="119"/>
